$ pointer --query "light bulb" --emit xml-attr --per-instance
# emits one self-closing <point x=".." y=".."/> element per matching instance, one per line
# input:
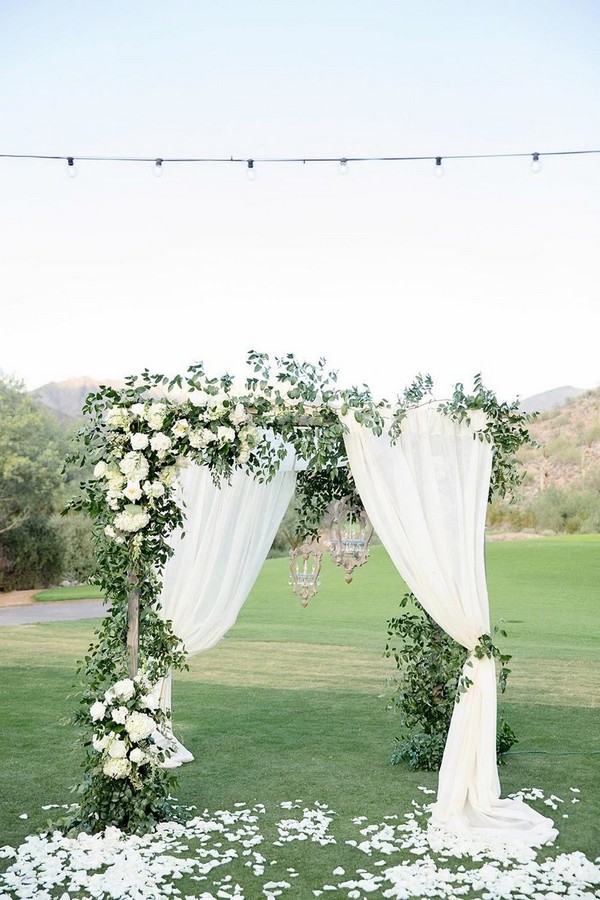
<point x="71" y="167"/>
<point x="438" y="170"/>
<point x="158" y="168"/>
<point x="251" y="171"/>
<point x="536" y="163"/>
<point x="343" y="166"/>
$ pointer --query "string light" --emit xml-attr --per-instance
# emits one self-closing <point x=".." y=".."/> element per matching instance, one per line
<point x="536" y="165"/>
<point x="341" y="161"/>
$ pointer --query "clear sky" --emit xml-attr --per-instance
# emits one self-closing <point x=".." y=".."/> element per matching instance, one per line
<point x="387" y="271"/>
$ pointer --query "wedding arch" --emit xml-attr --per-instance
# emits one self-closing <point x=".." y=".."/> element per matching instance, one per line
<point x="198" y="471"/>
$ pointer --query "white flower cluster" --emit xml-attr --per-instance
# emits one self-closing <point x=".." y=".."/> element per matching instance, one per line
<point x="145" y="453"/>
<point x="132" y="704"/>
<point x="132" y="519"/>
<point x="139" y="726"/>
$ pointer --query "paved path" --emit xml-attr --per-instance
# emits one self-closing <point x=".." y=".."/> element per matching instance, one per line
<point x="61" y="611"/>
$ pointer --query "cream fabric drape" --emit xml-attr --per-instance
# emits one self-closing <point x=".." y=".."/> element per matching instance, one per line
<point x="426" y="497"/>
<point x="228" y="533"/>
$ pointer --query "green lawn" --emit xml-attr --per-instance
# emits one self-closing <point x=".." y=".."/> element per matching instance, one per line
<point x="77" y="592"/>
<point x="292" y="704"/>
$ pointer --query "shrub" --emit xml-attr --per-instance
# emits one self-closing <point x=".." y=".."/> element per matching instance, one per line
<point x="31" y="555"/>
<point x="79" y="561"/>
<point x="429" y="666"/>
<point x="563" y="450"/>
<point x="286" y="536"/>
<point x="503" y="514"/>
<point x="567" y="511"/>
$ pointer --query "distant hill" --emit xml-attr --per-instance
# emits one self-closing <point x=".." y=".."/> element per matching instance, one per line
<point x="569" y="453"/>
<point x="550" y="399"/>
<point x="560" y="492"/>
<point x="66" y="398"/>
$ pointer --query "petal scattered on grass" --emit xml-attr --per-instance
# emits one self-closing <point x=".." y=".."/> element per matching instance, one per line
<point x="409" y="857"/>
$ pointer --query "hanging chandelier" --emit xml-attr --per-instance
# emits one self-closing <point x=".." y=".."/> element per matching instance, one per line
<point x="350" y="532"/>
<point x="305" y="569"/>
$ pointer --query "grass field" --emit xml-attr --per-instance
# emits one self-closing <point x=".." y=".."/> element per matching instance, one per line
<point x="292" y="703"/>
<point x="76" y="592"/>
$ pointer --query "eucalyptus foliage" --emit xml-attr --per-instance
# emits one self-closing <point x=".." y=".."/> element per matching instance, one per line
<point x="138" y="439"/>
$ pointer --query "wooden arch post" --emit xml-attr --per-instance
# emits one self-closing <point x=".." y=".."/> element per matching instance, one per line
<point x="133" y="623"/>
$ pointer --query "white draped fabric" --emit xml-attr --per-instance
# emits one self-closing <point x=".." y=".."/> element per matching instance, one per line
<point x="426" y="496"/>
<point x="228" y="533"/>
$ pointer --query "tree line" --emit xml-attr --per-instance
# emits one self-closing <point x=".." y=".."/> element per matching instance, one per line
<point x="38" y="547"/>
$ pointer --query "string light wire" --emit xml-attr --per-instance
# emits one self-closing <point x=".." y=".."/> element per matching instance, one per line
<point x="340" y="160"/>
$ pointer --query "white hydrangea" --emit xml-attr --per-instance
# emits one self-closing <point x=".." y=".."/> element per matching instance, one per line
<point x="225" y="434"/>
<point x="201" y="438"/>
<point x="150" y="701"/>
<point x="139" y="726"/>
<point x="153" y="489"/>
<point x="138" y="756"/>
<point x="199" y="399"/>
<point x="124" y="689"/>
<point x="119" y="715"/>
<point x="239" y="414"/>
<point x="160" y="443"/>
<point x="100" y="743"/>
<point x="117" y="417"/>
<point x="134" y="466"/>
<point x="249" y="436"/>
<point x="168" y="476"/>
<point x="97" y="711"/>
<point x="155" y="415"/>
<point x="132" y="519"/>
<point x="110" y="532"/>
<point x="216" y="412"/>
<point x="117" y="749"/>
<point x="113" y="498"/>
<point x="117" y="768"/>
<point x="100" y="469"/>
<point x="181" y="428"/>
<point x="243" y="455"/>
<point x="139" y="441"/>
<point x="114" y="479"/>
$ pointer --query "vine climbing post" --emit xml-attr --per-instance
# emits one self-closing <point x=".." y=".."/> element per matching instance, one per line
<point x="133" y="623"/>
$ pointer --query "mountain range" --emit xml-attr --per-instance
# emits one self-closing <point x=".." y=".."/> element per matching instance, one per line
<point x="66" y="398"/>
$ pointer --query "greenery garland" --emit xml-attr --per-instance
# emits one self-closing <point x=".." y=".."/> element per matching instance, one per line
<point x="429" y="682"/>
<point x="138" y="438"/>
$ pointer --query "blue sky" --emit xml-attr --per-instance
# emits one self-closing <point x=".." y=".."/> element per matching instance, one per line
<point x="386" y="271"/>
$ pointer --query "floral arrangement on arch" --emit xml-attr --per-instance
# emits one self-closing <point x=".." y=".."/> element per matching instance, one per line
<point x="138" y="439"/>
<point x="127" y="721"/>
<point x="143" y="460"/>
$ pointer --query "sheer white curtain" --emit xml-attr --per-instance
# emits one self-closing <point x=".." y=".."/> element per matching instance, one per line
<point x="228" y="533"/>
<point x="427" y="496"/>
